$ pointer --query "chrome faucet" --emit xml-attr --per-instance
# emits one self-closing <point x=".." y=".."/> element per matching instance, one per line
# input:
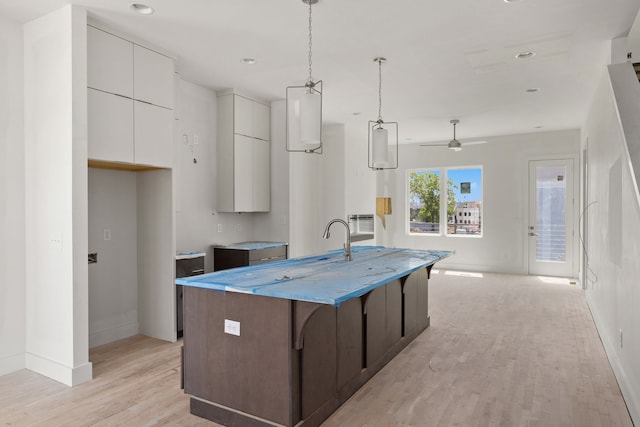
<point x="347" y="246"/>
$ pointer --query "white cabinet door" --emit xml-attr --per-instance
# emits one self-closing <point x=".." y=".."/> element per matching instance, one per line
<point x="261" y="176"/>
<point x="261" y="121"/>
<point x="109" y="62"/>
<point x="153" y="135"/>
<point x="243" y="173"/>
<point x="153" y="77"/>
<point x="242" y="115"/>
<point x="110" y="127"/>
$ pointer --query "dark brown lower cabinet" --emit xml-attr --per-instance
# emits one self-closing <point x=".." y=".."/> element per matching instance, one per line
<point x="293" y="362"/>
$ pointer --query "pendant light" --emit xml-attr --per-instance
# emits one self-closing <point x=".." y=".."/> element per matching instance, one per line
<point x="304" y="110"/>
<point x="382" y="135"/>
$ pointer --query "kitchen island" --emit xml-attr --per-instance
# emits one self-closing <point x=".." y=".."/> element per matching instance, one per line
<point x="286" y="343"/>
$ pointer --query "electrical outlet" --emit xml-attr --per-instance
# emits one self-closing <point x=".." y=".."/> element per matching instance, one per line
<point x="219" y="228"/>
<point x="231" y="327"/>
<point x="195" y="140"/>
<point x="107" y="234"/>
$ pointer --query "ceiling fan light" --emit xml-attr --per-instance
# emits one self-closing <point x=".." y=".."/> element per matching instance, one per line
<point x="454" y="145"/>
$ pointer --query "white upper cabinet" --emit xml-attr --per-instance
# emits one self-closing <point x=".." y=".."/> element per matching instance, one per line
<point x="153" y="75"/>
<point x="110" y="127"/>
<point x="153" y="135"/>
<point x="109" y="63"/>
<point x="130" y="102"/>
<point x="243" y="155"/>
<point x="261" y="176"/>
<point x="261" y="121"/>
<point x="242" y="115"/>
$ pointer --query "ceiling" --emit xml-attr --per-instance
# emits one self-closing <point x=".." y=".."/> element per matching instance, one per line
<point x="446" y="58"/>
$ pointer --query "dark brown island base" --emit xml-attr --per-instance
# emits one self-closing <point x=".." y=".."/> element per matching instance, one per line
<point x="257" y="360"/>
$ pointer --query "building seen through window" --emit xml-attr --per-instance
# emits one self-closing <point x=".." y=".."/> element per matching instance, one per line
<point x="445" y="201"/>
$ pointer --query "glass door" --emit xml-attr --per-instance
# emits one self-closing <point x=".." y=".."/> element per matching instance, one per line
<point x="550" y="228"/>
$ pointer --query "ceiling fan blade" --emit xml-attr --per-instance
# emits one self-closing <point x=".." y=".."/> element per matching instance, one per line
<point x="434" y="145"/>
<point x="473" y="142"/>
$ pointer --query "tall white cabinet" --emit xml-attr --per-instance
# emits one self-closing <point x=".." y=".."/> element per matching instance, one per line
<point x="243" y="160"/>
<point x="130" y="102"/>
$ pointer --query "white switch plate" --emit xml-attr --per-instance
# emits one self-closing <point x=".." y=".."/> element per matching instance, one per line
<point x="231" y="327"/>
<point x="107" y="234"/>
<point x="219" y="228"/>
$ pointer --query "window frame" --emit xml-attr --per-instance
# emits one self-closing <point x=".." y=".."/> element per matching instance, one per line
<point x="444" y="218"/>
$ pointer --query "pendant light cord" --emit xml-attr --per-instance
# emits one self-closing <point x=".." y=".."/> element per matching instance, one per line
<point x="380" y="91"/>
<point x="310" y="81"/>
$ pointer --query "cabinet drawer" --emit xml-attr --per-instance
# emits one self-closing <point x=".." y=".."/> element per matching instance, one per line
<point x="189" y="266"/>
<point x="267" y="254"/>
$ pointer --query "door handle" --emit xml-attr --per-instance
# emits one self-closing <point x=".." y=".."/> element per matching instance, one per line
<point x="532" y="234"/>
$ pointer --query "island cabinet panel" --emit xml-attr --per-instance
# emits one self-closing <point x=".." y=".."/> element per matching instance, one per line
<point x="250" y="372"/>
<point x="318" y="363"/>
<point x="350" y="352"/>
<point x="410" y="305"/>
<point x="293" y="362"/>
<point x="375" y="326"/>
<point x="393" y="315"/>
<point x="422" y="278"/>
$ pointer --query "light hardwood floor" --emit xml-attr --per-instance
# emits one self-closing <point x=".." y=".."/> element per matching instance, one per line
<point x="502" y="350"/>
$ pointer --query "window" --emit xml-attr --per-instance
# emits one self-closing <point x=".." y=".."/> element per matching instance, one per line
<point x="424" y="202"/>
<point x="448" y="199"/>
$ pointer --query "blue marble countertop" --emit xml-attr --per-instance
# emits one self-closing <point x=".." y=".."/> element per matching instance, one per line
<point x="252" y="246"/>
<point x="326" y="279"/>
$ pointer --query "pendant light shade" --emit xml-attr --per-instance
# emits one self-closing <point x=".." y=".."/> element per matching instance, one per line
<point x="380" y="146"/>
<point x="304" y="110"/>
<point x="383" y="136"/>
<point x="310" y="110"/>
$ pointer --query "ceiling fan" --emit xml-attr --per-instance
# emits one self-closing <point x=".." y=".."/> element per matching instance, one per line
<point x="454" y="144"/>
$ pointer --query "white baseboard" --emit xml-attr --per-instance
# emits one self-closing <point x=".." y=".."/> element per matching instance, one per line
<point x="70" y="376"/>
<point x="12" y="363"/>
<point x="106" y="336"/>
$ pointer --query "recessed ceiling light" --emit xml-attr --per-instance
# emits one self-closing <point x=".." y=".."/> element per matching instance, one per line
<point x="357" y="113"/>
<point x="539" y="127"/>
<point x="141" y="8"/>
<point x="511" y="1"/>
<point x="533" y="90"/>
<point x="525" y="55"/>
<point x="248" y="61"/>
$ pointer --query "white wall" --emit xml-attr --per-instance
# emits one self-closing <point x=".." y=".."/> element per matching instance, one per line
<point x="113" y="280"/>
<point x="503" y="246"/>
<point x="197" y="218"/>
<point x="56" y="195"/>
<point x="12" y="223"/>
<point x="613" y="290"/>
<point x="360" y="181"/>
<point x="317" y="195"/>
